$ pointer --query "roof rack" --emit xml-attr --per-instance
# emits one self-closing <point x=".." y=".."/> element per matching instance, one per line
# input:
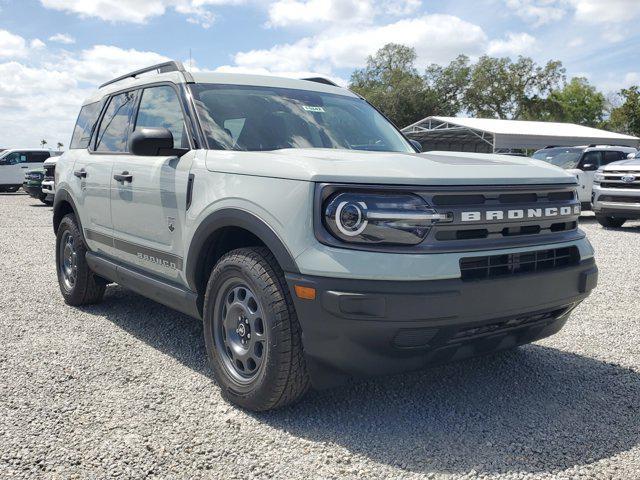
<point x="165" y="67"/>
<point x="325" y="81"/>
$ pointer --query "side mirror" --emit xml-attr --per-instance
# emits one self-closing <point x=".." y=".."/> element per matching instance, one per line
<point x="154" y="142"/>
<point x="416" y="144"/>
<point x="589" y="167"/>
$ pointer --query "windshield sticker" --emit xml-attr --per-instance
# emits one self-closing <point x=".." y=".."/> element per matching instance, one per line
<point x="313" y="109"/>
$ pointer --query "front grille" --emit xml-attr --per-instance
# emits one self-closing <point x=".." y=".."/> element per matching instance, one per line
<point x="618" y="199"/>
<point x="49" y="172"/>
<point x="614" y="179"/>
<point x="493" y="266"/>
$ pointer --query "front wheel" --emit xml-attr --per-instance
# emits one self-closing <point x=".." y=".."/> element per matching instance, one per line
<point x="78" y="284"/>
<point x="610" y="222"/>
<point x="252" y="333"/>
<point x="12" y="189"/>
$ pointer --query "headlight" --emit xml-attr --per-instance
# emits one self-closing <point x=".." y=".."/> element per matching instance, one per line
<point x="376" y="218"/>
<point x="598" y="177"/>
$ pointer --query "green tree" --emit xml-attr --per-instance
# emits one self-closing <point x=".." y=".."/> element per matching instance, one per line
<point x="577" y="102"/>
<point x="502" y="88"/>
<point x="392" y="84"/>
<point x="43" y="142"/>
<point x="626" y="117"/>
<point x="60" y="145"/>
<point x="450" y="84"/>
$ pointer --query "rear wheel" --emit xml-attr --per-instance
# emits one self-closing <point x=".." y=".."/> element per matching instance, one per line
<point x="12" y="188"/>
<point x="610" y="222"/>
<point x="252" y="334"/>
<point x="78" y="284"/>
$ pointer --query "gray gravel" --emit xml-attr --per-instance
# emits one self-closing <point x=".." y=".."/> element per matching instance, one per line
<point x="122" y="390"/>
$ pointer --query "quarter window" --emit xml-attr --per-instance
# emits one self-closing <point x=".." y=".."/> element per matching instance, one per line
<point x="160" y="107"/>
<point x="113" y="133"/>
<point x="85" y="125"/>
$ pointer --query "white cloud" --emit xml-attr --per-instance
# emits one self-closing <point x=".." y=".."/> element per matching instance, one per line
<point x="538" y="12"/>
<point x="43" y="101"/>
<point x="436" y="38"/>
<point x="12" y="46"/>
<point x="139" y="11"/>
<point x="513" y="44"/>
<point x="304" y="12"/>
<point x="37" y="44"/>
<point x="62" y="38"/>
<point x="606" y="11"/>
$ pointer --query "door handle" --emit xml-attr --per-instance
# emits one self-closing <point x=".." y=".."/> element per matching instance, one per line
<point x="82" y="173"/>
<point x="24" y="167"/>
<point x="123" y="177"/>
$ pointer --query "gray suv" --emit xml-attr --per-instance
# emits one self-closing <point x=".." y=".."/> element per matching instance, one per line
<point x="307" y="233"/>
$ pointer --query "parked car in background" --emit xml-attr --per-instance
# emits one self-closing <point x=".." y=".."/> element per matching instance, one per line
<point x="48" y="184"/>
<point x="15" y="162"/>
<point x="616" y="192"/>
<point x="33" y="184"/>
<point x="583" y="161"/>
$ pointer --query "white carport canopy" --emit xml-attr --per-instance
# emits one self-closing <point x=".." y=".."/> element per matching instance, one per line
<point x="490" y="135"/>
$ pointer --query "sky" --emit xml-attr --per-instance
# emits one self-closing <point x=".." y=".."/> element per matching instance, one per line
<point x="53" y="53"/>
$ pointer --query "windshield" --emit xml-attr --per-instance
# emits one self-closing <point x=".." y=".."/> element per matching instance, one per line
<point x="560" y="157"/>
<point x="249" y="118"/>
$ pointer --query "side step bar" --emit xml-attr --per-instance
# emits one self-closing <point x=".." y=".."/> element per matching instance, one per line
<point x="163" y="292"/>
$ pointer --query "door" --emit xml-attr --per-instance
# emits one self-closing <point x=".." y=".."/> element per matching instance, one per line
<point x="148" y="193"/>
<point x="13" y="168"/>
<point x="93" y="170"/>
<point x="589" y="163"/>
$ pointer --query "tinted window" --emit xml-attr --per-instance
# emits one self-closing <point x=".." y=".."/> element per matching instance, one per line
<point x="15" y="158"/>
<point x="37" y="157"/>
<point x="268" y="118"/>
<point x="84" y="125"/>
<point x="613" y="157"/>
<point x="113" y="133"/>
<point x="160" y="107"/>
<point x="592" y="158"/>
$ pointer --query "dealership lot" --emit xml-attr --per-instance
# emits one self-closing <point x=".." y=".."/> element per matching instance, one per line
<point x="122" y="389"/>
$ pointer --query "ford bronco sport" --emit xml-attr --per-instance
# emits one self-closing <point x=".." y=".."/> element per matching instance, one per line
<point x="307" y="233"/>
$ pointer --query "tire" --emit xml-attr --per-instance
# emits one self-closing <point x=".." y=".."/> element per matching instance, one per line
<point x="43" y="198"/>
<point x="610" y="222"/>
<point x="12" y="188"/>
<point x="278" y="374"/>
<point x="86" y="288"/>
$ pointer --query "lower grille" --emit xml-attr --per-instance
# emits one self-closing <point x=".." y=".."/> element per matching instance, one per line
<point x="618" y="199"/>
<point x="492" y="266"/>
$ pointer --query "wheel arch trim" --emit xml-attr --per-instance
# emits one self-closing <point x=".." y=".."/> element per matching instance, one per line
<point x="234" y="217"/>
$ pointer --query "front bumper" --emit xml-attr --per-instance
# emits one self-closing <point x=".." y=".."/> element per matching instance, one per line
<point x="371" y="327"/>
<point x="33" y="189"/>
<point x="617" y="202"/>
<point x="48" y="187"/>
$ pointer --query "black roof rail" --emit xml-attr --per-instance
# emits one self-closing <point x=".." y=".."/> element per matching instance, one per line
<point x="171" y="66"/>
<point x="325" y="81"/>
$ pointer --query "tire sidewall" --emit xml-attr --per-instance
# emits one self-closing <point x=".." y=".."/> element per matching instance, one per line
<point x="262" y="386"/>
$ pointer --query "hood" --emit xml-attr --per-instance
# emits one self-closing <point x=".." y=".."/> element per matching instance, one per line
<point x="354" y="166"/>
<point x="629" y="164"/>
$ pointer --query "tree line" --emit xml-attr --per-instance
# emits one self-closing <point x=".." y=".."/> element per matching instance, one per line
<point x="490" y="87"/>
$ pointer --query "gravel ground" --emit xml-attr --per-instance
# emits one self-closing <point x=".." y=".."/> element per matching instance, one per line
<point x="122" y="390"/>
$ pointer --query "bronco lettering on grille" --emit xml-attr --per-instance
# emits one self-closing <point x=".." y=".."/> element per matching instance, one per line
<point x="520" y="214"/>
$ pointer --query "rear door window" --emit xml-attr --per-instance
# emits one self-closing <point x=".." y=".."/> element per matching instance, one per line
<point x="591" y="158"/>
<point x="85" y="125"/>
<point x="160" y="107"/>
<point x="613" y="156"/>
<point x="37" y="157"/>
<point x="113" y="134"/>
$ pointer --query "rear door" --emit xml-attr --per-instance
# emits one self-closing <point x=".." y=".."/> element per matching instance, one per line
<point x="148" y="207"/>
<point x="93" y="169"/>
